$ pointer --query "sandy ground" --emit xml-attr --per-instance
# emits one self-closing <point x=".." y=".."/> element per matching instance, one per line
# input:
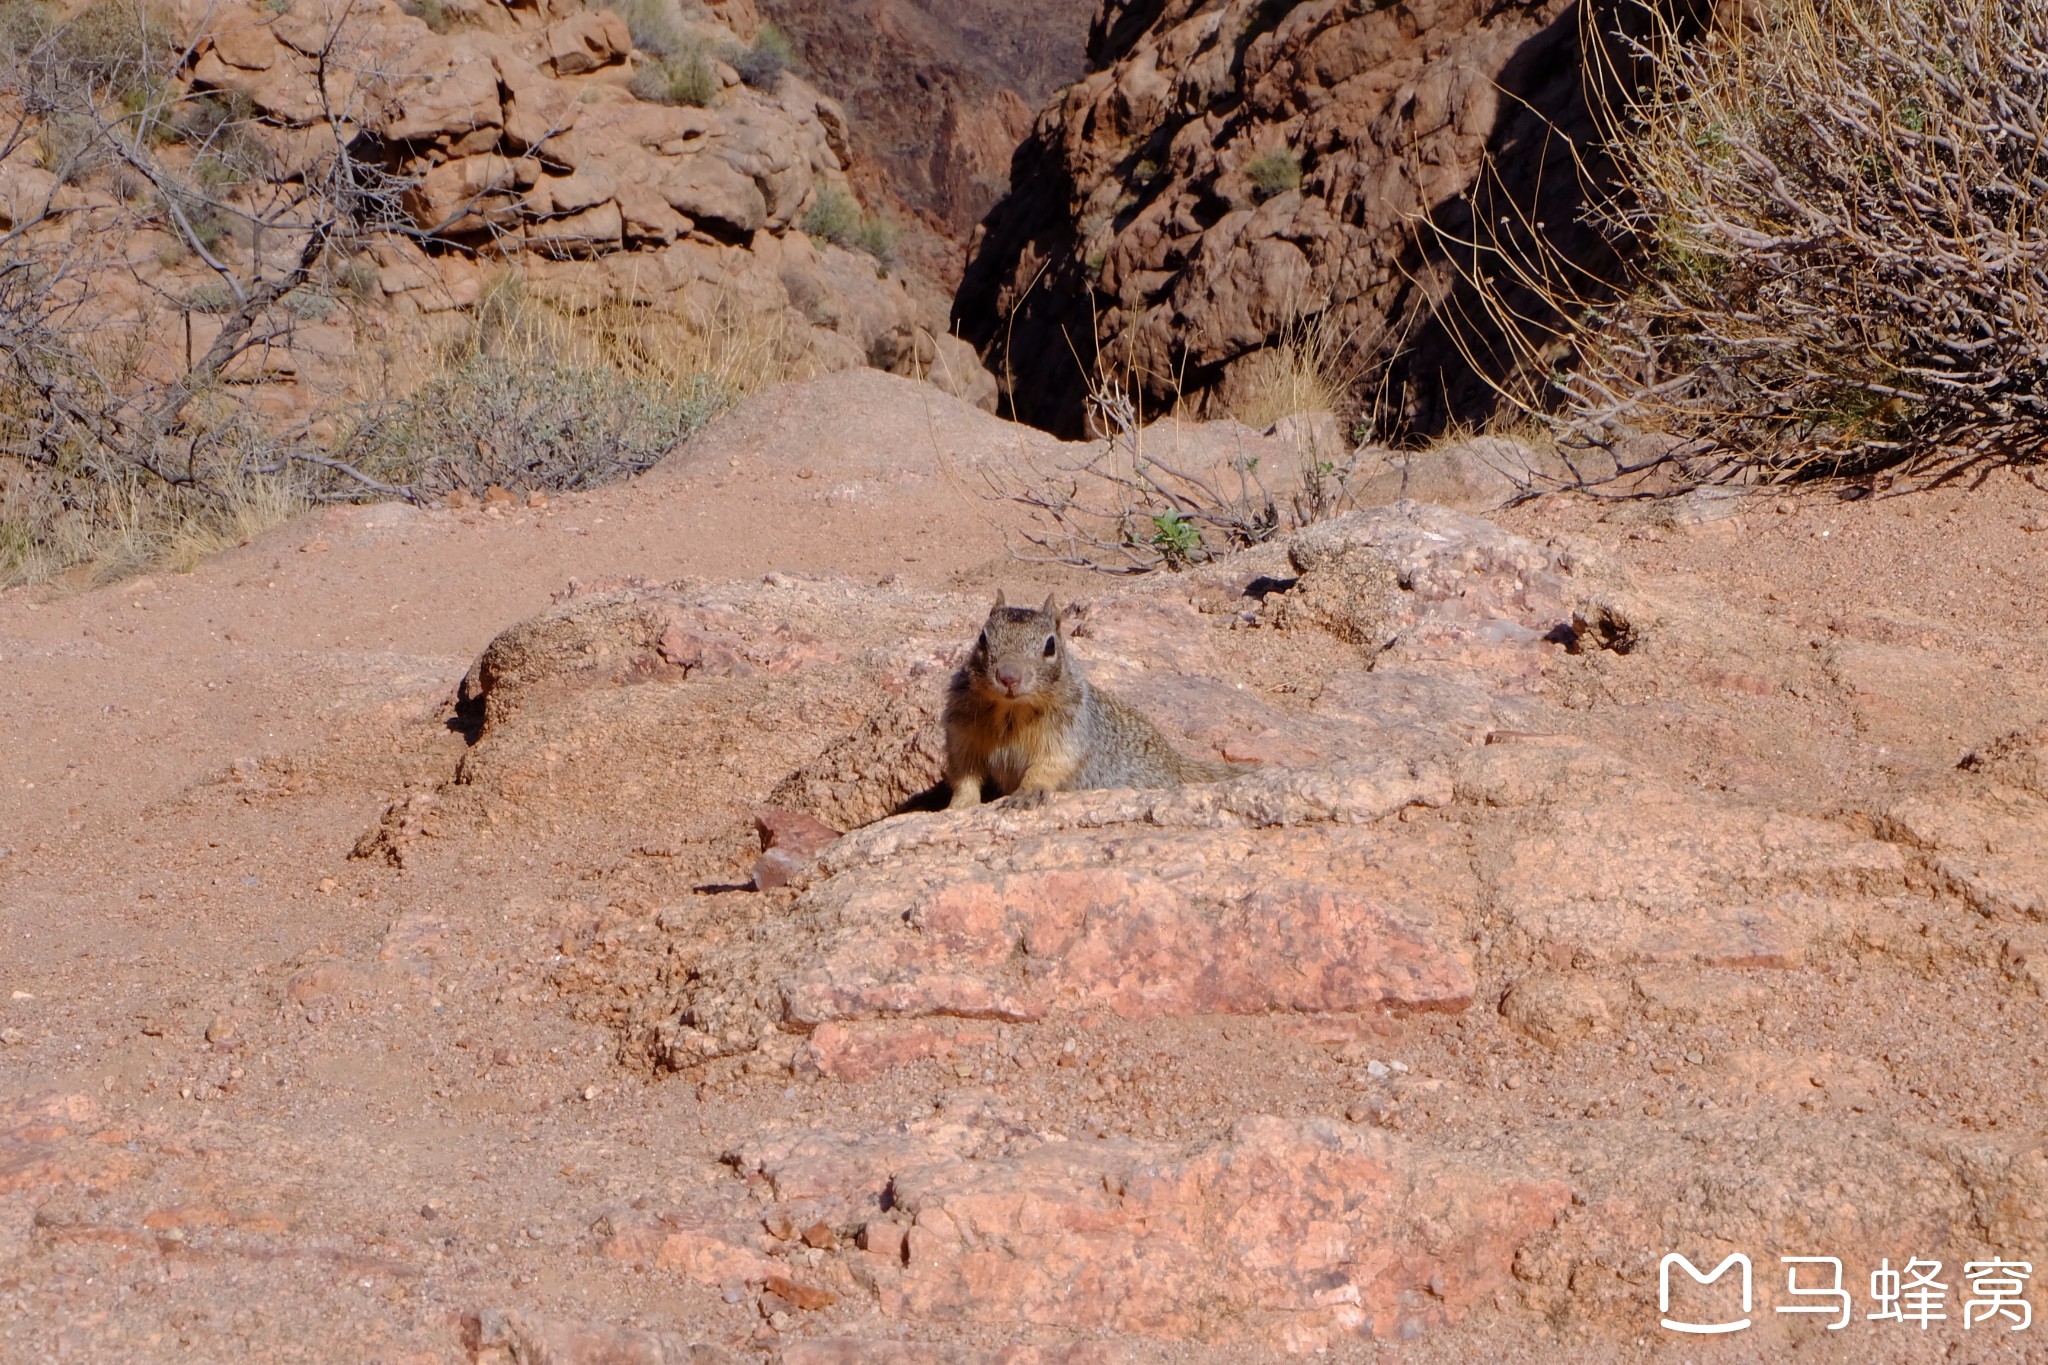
<point x="266" y="1164"/>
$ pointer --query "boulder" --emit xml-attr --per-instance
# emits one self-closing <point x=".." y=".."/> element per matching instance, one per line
<point x="469" y="194"/>
<point x="537" y="110"/>
<point x="586" y="41"/>
<point x="710" y="190"/>
<point x="1476" y="475"/>
<point x="244" y="39"/>
<point x="587" y="232"/>
<point x="441" y="89"/>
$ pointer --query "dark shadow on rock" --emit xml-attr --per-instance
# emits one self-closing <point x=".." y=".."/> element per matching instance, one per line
<point x="932" y="798"/>
<point x="466" y="717"/>
<point x="1524" y="223"/>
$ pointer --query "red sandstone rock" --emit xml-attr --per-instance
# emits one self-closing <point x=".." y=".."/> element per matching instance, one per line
<point x="1289" y="1234"/>
<point x="1139" y="946"/>
<point x="854" y="1351"/>
<point x="584" y="42"/>
<point x="47" y="1140"/>
<point x="510" y="1337"/>
<point x="790" y="840"/>
<point x="939" y="94"/>
<point x="852" y="1053"/>
<point x="704" y="1254"/>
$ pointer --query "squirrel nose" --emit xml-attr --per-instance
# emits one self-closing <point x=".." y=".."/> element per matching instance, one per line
<point x="1010" y="678"/>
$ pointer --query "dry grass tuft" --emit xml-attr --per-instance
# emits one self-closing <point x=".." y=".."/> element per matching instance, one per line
<point x="1308" y="370"/>
<point x="97" y="531"/>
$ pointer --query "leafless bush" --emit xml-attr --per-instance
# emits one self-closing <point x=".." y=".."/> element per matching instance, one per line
<point x="96" y="447"/>
<point x="1843" y="246"/>
<point x="1129" y="506"/>
<point x="1126" y="507"/>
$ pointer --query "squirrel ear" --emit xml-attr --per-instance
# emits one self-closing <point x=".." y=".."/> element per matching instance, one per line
<point x="1051" y="608"/>
<point x="1001" y="601"/>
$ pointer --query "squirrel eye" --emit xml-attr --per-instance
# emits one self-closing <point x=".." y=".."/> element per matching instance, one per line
<point x="981" y="642"/>
<point x="1051" y="645"/>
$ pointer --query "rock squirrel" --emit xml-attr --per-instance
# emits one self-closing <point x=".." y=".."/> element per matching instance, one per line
<point x="1020" y="715"/>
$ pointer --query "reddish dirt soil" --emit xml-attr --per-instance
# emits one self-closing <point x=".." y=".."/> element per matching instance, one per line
<point x="263" y="1099"/>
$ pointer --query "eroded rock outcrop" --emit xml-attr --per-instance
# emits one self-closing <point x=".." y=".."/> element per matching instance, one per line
<point x="1287" y="1235"/>
<point x="1441" y="842"/>
<point x="505" y="147"/>
<point x="1226" y="171"/>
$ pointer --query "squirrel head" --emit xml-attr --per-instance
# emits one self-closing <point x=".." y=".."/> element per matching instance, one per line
<point x="1019" y="652"/>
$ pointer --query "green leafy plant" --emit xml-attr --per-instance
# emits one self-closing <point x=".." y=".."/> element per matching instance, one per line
<point x="210" y="297"/>
<point x="837" y="217"/>
<point x="1176" y="538"/>
<point x="833" y="215"/>
<point x="877" y="236"/>
<point x="1274" y="173"/>
<point x="309" y="305"/>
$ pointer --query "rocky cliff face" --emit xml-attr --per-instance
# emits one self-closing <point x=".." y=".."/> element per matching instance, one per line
<point x="528" y="141"/>
<point x="1228" y="170"/>
<point x="940" y="92"/>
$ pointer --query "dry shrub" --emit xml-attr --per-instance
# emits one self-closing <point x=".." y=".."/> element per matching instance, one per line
<point x="1844" y="244"/>
<point x="836" y="216"/>
<point x="1274" y="173"/>
<point x="539" y="396"/>
<point x="1135" y="504"/>
<point x="761" y="65"/>
<point x="108" y="465"/>
<point x="684" y="78"/>
<point x="89" y="530"/>
<point x="680" y="70"/>
<point x="1307" y="370"/>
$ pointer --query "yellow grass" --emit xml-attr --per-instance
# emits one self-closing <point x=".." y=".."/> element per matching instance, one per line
<point x="1307" y="371"/>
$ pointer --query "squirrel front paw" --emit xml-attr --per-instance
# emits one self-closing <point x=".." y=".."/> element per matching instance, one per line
<point x="1030" y="800"/>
